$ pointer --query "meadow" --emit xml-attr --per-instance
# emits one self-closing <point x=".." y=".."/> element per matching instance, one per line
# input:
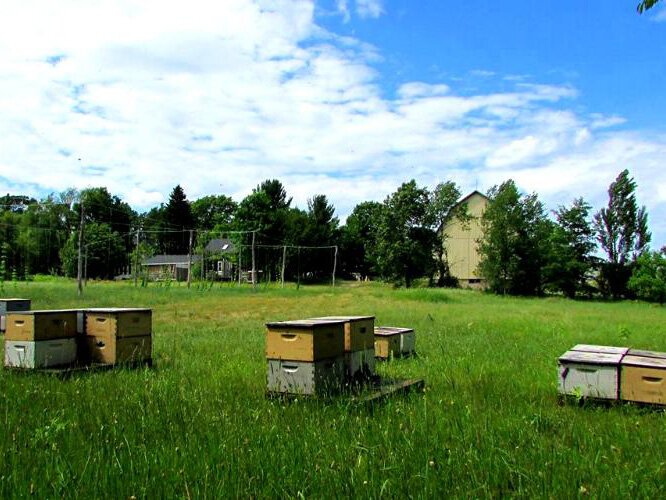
<point x="198" y="424"/>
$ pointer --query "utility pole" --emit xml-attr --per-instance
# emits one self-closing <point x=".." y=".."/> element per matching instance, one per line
<point x="240" y="262"/>
<point x="335" y="263"/>
<point x="136" y="258"/>
<point x="254" y="266"/>
<point x="189" y="261"/>
<point x="284" y="258"/>
<point x="79" y="271"/>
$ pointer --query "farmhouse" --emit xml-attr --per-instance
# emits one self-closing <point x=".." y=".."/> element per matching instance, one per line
<point x="221" y="250"/>
<point x="169" y="267"/>
<point x="461" y="242"/>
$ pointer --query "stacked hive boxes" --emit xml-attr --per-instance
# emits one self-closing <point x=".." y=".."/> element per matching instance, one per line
<point x="393" y="341"/>
<point x="359" y="345"/>
<point x="591" y="371"/>
<point x="305" y="356"/>
<point x="40" y="339"/>
<point x="117" y="335"/>
<point x="644" y="377"/>
<point x="11" y="305"/>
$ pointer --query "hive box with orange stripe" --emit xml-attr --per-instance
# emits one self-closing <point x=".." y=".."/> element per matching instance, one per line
<point x="117" y="335"/>
<point x="305" y="356"/>
<point x="644" y="377"/>
<point x="40" y="339"/>
<point x="393" y="341"/>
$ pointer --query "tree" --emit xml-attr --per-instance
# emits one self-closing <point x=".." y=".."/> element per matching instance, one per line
<point x="646" y="5"/>
<point x="404" y="239"/>
<point x="359" y="239"/>
<point x="104" y="252"/>
<point x="648" y="280"/>
<point x="571" y="247"/>
<point x="622" y="232"/>
<point x="214" y="212"/>
<point x="514" y="247"/>
<point x="321" y="229"/>
<point x="178" y="219"/>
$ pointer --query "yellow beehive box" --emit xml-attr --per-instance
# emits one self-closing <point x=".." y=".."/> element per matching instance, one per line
<point x="305" y="340"/>
<point x="387" y="342"/>
<point x="119" y="322"/>
<point x="359" y="331"/>
<point x="644" y="377"/>
<point x="41" y="325"/>
<point x="112" y="350"/>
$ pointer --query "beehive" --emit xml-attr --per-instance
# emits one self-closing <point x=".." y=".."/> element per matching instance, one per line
<point x="305" y="340"/>
<point x="301" y="377"/>
<point x="643" y="376"/>
<point x="591" y="371"/>
<point x="112" y="350"/>
<point x="387" y="342"/>
<point x="40" y="354"/>
<point x="41" y="325"/>
<point x="11" y="305"/>
<point x="359" y="331"/>
<point x="360" y="363"/>
<point x="118" y="322"/>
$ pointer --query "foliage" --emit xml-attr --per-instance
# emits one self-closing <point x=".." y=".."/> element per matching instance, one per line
<point x="646" y="5"/>
<point x="104" y="252"/>
<point x="648" y="280"/>
<point x="358" y="239"/>
<point x="622" y="232"/>
<point x="515" y="242"/>
<point x="178" y="219"/>
<point x="214" y="212"/>
<point x="571" y="250"/>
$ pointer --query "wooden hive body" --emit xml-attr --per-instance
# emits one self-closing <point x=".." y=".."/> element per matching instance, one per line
<point x="119" y="322"/>
<point x="305" y="340"/>
<point x="644" y="377"/>
<point x="301" y="377"/>
<point x="41" y="325"/>
<point x="11" y="305"/>
<point x="40" y="354"/>
<point x="359" y="331"/>
<point x="112" y="350"/>
<point x="360" y="363"/>
<point x="393" y="341"/>
<point x="590" y="374"/>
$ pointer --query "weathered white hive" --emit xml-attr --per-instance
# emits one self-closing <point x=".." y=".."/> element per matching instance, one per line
<point x="591" y="371"/>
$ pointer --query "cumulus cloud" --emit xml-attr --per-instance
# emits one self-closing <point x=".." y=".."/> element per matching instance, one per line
<point x="218" y="96"/>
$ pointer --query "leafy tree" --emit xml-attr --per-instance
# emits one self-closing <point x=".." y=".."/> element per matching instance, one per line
<point x="178" y="218"/>
<point x="622" y="232"/>
<point x="646" y="5"/>
<point x="104" y="248"/>
<point x="321" y="229"/>
<point x="404" y="241"/>
<point x="648" y="280"/>
<point x="514" y="246"/>
<point x="214" y="212"/>
<point x="359" y="237"/>
<point x="571" y="248"/>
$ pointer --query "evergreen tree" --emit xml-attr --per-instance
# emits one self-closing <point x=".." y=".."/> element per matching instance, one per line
<point x="178" y="218"/>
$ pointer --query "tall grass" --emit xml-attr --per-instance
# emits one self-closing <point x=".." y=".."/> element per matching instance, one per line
<point x="198" y="425"/>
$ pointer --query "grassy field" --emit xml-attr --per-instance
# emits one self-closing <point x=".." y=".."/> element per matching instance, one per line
<point x="199" y="425"/>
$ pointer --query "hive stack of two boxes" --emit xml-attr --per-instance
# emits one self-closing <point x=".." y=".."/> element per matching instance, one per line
<point x="393" y="342"/>
<point x="613" y="373"/>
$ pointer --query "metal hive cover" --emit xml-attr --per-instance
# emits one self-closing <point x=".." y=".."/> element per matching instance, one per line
<point x="304" y="323"/>
<point x="604" y="349"/>
<point x="386" y="331"/>
<point x="591" y="358"/>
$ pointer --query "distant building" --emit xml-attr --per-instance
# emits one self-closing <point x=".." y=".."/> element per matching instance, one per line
<point x="461" y="243"/>
<point x="169" y="267"/>
<point x="220" y="250"/>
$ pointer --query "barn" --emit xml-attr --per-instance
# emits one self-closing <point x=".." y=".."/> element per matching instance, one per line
<point x="461" y="242"/>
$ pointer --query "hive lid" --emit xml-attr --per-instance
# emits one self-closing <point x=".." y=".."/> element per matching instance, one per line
<point x="46" y="311"/>
<point x="344" y="318"/>
<point x="604" y="349"/>
<point x="14" y="300"/>
<point x="647" y="354"/>
<point x="645" y="361"/>
<point x="591" y="358"/>
<point x="117" y="309"/>
<point x="387" y="331"/>
<point x="304" y="323"/>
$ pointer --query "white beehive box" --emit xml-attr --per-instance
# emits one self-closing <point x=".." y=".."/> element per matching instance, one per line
<point x="586" y="373"/>
<point x="302" y="377"/>
<point x="40" y="353"/>
<point x="360" y="363"/>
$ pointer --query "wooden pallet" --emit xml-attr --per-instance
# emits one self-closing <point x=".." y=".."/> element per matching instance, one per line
<point x="70" y="370"/>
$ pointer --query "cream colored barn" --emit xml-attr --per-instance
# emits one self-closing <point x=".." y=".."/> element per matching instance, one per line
<point x="461" y="242"/>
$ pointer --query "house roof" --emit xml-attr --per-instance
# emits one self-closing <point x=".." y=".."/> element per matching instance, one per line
<point x="219" y="245"/>
<point x="470" y="195"/>
<point x="162" y="260"/>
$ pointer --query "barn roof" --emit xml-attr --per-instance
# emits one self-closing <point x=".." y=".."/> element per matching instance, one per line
<point x="220" y="245"/>
<point x="162" y="260"/>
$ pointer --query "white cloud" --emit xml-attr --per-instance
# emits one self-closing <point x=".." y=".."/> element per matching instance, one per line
<point x="218" y="96"/>
<point x="369" y="8"/>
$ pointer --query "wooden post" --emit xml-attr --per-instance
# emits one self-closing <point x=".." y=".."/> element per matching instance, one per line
<point x="79" y="271"/>
<point x="240" y="262"/>
<point x="203" y="266"/>
<point x="136" y="259"/>
<point x="298" y="271"/>
<point x="189" y="261"/>
<point x="85" y="268"/>
<point x="284" y="258"/>
<point x="254" y="264"/>
<point x="335" y="263"/>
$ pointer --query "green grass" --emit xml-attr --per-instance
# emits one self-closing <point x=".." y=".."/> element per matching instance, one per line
<point x="198" y="425"/>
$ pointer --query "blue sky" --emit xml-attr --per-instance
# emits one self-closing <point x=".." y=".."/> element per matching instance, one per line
<point x="348" y="98"/>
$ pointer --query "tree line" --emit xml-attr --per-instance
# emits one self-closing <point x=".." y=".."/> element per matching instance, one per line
<point x="525" y="250"/>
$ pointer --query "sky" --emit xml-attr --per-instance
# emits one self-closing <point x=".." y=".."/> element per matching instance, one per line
<point x="347" y="98"/>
